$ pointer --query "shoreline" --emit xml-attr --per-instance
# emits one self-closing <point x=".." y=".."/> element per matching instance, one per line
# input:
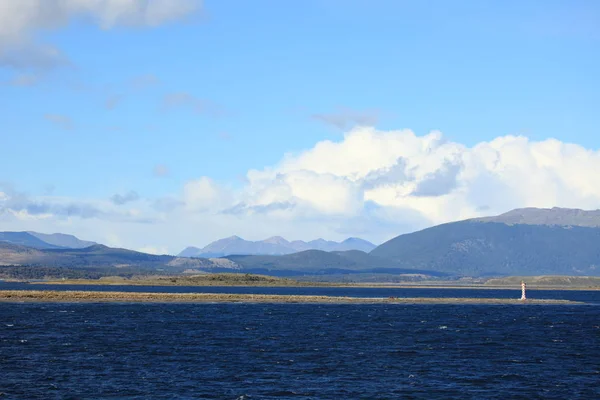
<point x="50" y="296"/>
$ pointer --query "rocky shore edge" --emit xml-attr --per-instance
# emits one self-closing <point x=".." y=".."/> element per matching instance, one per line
<point x="53" y="296"/>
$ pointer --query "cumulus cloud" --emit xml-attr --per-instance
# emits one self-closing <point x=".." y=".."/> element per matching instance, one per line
<point x="204" y="194"/>
<point x="20" y="20"/>
<point x="346" y="118"/>
<point x="441" y="182"/>
<point x="428" y="175"/>
<point x="61" y="121"/>
<point x="370" y="183"/>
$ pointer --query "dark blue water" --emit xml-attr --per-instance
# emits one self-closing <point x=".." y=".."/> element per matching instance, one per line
<point x="298" y="351"/>
<point x="592" y="296"/>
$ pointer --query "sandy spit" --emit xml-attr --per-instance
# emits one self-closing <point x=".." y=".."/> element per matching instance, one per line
<point x="127" y="297"/>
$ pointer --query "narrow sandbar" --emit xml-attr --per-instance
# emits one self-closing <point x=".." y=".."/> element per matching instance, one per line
<point x="56" y="296"/>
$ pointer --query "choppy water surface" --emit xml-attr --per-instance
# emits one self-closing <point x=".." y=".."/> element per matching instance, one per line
<point x="298" y="351"/>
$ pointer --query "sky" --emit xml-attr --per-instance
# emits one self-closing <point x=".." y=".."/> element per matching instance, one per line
<point x="160" y="124"/>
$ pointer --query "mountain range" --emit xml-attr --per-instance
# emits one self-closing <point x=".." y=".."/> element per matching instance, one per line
<point x="44" y="241"/>
<point x="101" y="260"/>
<point x="522" y="242"/>
<point x="275" y="245"/>
<point x="473" y="248"/>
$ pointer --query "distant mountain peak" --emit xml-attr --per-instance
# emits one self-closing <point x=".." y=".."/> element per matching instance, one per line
<point x="355" y="239"/>
<point x="547" y="216"/>
<point x="276" y="240"/>
<point x="62" y="240"/>
<point x="275" y="245"/>
<point x="234" y="237"/>
<point x="36" y="240"/>
<point x="190" y="251"/>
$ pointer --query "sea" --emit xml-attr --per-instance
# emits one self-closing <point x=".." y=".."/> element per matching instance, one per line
<point x="248" y="351"/>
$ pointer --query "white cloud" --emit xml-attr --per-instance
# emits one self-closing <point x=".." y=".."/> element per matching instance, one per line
<point x="20" y="20"/>
<point x="323" y="193"/>
<point x="375" y="184"/>
<point x="204" y="195"/>
<point x="158" y="250"/>
<point x="441" y="180"/>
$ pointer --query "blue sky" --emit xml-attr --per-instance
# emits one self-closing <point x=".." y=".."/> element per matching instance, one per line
<point x="220" y="88"/>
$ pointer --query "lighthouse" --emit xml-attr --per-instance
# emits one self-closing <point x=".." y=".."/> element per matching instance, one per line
<point x="523" y="288"/>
